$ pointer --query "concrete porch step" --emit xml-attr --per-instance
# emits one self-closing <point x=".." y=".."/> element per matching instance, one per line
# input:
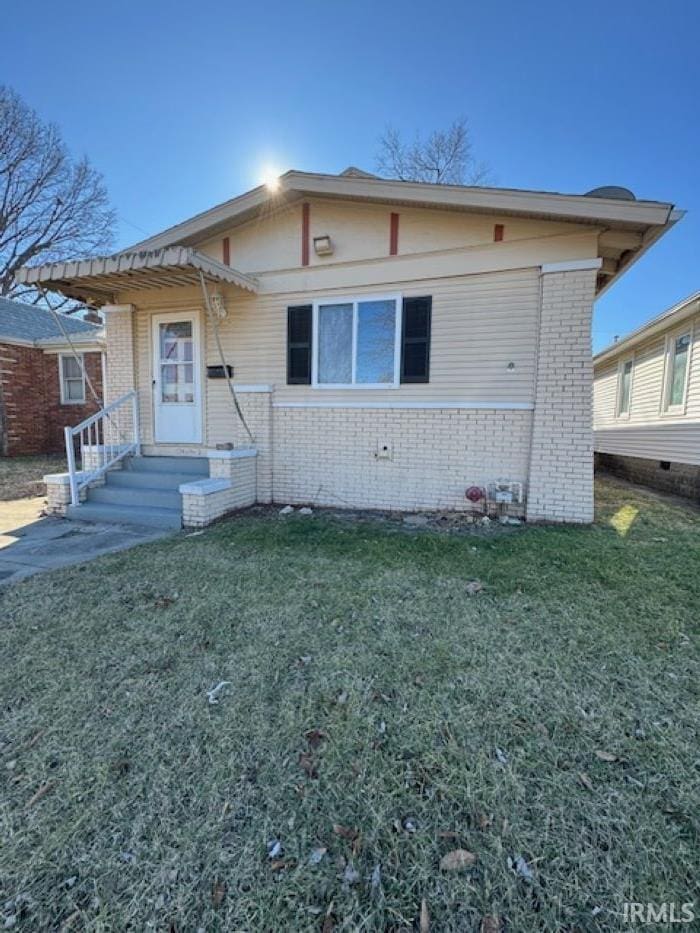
<point x="125" y="515"/>
<point x="137" y="496"/>
<point x="146" y="479"/>
<point x="191" y="465"/>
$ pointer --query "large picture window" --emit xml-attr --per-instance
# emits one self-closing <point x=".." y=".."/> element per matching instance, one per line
<point x="356" y="342"/>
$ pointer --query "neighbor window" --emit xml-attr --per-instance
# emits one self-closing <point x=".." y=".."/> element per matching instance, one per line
<point x="624" y="388"/>
<point x="678" y="357"/>
<point x="72" y="379"/>
<point x="356" y="342"/>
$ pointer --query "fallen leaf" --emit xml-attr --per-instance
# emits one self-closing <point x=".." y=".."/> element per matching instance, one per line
<point x="279" y="864"/>
<point x="328" y="924"/>
<point x="585" y="780"/>
<point x="351" y="875"/>
<point x="606" y="756"/>
<point x="474" y="587"/>
<point x="501" y="755"/>
<point x="314" y="737"/>
<point x="490" y="924"/>
<point x="345" y="832"/>
<point x="218" y="893"/>
<point x="41" y="792"/>
<point x="307" y="764"/>
<point x="163" y="602"/>
<point x="484" y="820"/>
<point x="342" y="698"/>
<point x="317" y="855"/>
<point x="457" y="859"/>
<point x="424" y="917"/>
<point x="448" y="834"/>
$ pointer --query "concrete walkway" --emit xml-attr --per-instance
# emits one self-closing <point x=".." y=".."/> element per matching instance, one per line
<point x="32" y="543"/>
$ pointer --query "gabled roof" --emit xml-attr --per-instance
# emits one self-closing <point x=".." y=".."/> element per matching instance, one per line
<point x="294" y="185"/>
<point x="30" y="324"/>
<point x="671" y="317"/>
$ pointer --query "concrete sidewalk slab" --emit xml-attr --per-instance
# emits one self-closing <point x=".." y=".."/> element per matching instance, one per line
<point x="31" y="542"/>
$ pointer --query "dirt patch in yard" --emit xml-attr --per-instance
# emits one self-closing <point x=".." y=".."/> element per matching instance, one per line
<point x="21" y="477"/>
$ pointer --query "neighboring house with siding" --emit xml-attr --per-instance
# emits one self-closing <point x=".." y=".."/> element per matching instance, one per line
<point x="646" y="412"/>
<point x="391" y="345"/>
<point x="43" y="382"/>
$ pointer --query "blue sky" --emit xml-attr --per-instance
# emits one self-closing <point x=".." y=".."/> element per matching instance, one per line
<point x="180" y="105"/>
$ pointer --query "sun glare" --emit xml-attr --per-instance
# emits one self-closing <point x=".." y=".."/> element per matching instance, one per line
<point x="271" y="178"/>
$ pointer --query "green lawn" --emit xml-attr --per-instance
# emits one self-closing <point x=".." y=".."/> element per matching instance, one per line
<point x="551" y="719"/>
<point x="24" y="476"/>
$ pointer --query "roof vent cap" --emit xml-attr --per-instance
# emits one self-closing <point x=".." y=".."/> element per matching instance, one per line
<point x="613" y="192"/>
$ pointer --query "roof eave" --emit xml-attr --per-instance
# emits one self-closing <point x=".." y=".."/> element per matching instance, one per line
<point x="673" y="316"/>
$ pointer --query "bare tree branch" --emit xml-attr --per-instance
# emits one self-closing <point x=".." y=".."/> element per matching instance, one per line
<point x="51" y="207"/>
<point x="445" y="157"/>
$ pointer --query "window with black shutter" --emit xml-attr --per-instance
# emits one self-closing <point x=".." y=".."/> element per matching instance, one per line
<point x="299" y="345"/>
<point x="415" y="339"/>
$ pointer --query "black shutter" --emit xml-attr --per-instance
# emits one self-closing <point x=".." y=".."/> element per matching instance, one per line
<point x="299" y="345"/>
<point x="415" y="340"/>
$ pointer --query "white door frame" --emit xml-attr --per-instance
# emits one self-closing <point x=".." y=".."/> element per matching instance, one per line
<point x="195" y="407"/>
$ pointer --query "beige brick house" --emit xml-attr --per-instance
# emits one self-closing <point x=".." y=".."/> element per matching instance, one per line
<point x="390" y="344"/>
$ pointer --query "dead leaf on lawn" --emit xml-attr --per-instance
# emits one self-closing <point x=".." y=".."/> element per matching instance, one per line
<point x="448" y="834"/>
<point x="351" y="875"/>
<point x="457" y="860"/>
<point x="342" y="698"/>
<point x="585" y="780"/>
<point x="521" y="868"/>
<point x="279" y="864"/>
<point x="328" y="924"/>
<point x="41" y="792"/>
<point x="606" y="756"/>
<point x="501" y="756"/>
<point x="424" y="917"/>
<point x="164" y="601"/>
<point x="345" y="832"/>
<point x="307" y="764"/>
<point x="484" y="820"/>
<point x="474" y="587"/>
<point x="314" y="737"/>
<point x="490" y="924"/>
<point x="218" y="893"/>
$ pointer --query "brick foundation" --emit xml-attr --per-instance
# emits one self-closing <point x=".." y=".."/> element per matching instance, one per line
<point x="682" y="479"/>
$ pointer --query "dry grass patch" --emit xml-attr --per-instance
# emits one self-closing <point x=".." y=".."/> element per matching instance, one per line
<point x="375" y="718"/>
<point x="21" y="477"/>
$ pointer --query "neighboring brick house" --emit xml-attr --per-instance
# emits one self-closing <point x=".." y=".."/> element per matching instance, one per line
<point x="646" y="402"/>
<point x="42" y="387"/>
<point x="392" y="345"/>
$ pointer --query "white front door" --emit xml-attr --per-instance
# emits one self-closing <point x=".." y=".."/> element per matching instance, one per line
<point x="177" y="402"/>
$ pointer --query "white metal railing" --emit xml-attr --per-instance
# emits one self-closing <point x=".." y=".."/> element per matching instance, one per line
<point x="104" y="439"/>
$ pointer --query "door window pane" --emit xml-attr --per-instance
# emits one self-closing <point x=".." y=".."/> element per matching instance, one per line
<point x="335" y="344"/>
<point x="176" y="341"/>
<point x="376" y="338"/>
<point x="176" y="368"/>
<point x="679" y="368"/>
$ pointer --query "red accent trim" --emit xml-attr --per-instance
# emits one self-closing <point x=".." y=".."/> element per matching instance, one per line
<point x="498" y="233"/>
<point x="226" y="249"/>
<point x="305" y="233"/>
<point x="394" y="234"/>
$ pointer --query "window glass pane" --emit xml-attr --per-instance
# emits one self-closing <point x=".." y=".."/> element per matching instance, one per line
<point x="71" y="368"/>
<point x="73" y="390"/>
<point x="177" y="382"/>
<point x="678" y="370"/>
<point x="376" y="337"/>
<point x="176" y="341"/>
<point x="335" y="344"/>
<point x="625" y="385"/>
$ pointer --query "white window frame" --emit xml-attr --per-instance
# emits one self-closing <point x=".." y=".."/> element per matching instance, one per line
<point x="64" y="398"/>
<point x="667" y="409"/>
<point x="619" y="413"/>
<point x="354" y="300"/>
